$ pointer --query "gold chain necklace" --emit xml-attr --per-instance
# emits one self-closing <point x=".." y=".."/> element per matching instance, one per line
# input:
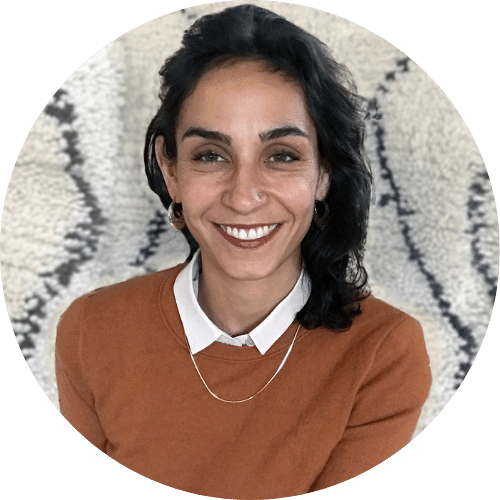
<point x="259" y="391"/>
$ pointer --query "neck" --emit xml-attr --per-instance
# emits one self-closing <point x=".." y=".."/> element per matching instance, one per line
<point x="238" y="306"/>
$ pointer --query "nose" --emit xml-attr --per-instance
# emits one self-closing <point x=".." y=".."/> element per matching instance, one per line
<point x="245" y="190"/>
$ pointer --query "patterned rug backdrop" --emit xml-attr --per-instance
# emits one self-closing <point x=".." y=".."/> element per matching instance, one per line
<point x="79" y="214"/>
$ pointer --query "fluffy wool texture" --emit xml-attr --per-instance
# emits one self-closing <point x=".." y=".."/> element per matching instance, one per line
<point x="79" y="214"/>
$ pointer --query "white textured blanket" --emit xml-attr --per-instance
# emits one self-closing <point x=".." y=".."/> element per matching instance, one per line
<point x="79" y="213"/>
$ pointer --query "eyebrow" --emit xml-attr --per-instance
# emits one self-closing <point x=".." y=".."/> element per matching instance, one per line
<point x="276" y="133"/>
<point x="212" y="135"/>
<point x="268" y="135"/>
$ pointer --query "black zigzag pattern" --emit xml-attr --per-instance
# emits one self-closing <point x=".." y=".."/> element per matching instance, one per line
<point x="81" y="241"/>
<point x="156" y="227"/>
<point x="469" y="345"/>
<point x="479" y="189"/>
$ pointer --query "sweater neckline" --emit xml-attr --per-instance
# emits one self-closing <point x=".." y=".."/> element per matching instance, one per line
<point x="172" y="320"/>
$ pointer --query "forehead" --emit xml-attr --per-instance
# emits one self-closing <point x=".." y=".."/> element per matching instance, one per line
<point x="245" y="93"/>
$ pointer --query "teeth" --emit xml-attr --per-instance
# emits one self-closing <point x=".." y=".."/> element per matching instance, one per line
<point x="252" y="234"/>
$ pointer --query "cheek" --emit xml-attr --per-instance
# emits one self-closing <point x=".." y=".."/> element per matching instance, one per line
<point x="299" y="193"/>
<point x="197" y="195"/>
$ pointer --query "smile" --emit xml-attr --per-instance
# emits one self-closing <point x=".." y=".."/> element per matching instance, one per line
<point x="253" y="233"/>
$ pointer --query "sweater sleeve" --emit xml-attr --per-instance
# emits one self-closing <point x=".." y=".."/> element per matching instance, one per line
<point x="387" y="406"/>
<point x="75" y="398"/>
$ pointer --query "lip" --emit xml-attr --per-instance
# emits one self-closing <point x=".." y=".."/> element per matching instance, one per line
<point x="247" y="244"/>
<point x="248" y="226"/>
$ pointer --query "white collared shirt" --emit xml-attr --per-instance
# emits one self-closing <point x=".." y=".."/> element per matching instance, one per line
<point x="201" y="332"/>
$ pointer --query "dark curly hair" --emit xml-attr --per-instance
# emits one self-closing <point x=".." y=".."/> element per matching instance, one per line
<point x="333" y="255"/>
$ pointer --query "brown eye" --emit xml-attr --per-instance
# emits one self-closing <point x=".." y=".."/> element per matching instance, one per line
<point x="208" y="157"/>
<point x="283" y="157"/>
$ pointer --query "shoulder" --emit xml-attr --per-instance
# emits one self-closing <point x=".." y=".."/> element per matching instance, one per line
<point x="120" y="318"/>
<point x="399" y="343"/>
<point x="139" y="288"/>
<point x="114" y="304"/>
<point x="383" y="336"/>
<point x="380" y="319"/>
<point x="380" y="328"/>
<point x="373" y="308"/>
<point x="130" y="293"/>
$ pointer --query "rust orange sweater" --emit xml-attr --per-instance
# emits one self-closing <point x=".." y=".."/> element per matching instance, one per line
<point x="342" y="403"/>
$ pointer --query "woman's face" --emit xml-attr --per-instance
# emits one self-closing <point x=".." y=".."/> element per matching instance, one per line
<point x="247" y="171"/>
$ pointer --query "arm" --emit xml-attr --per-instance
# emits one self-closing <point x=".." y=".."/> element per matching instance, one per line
<point x="387" y="406"/>
<point x="75" y="398"/>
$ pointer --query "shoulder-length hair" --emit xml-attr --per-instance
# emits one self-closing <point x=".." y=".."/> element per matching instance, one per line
<point x="333" y="255"/>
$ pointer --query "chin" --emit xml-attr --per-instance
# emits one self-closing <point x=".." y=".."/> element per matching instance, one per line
<point x="248" y="274"/>
<point x="257" y="269"/>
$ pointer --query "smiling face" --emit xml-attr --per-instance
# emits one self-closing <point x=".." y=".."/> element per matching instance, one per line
<point x="247" y="171"/>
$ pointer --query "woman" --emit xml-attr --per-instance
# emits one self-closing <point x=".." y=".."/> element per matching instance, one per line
<point x="262" y="367"/>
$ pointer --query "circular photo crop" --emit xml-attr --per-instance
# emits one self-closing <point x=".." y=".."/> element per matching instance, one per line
<point x="249" y="250"/>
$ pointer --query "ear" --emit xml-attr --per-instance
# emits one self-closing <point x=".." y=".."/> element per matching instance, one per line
<point x="168" y="169"/>
<point x="323" y="185"/>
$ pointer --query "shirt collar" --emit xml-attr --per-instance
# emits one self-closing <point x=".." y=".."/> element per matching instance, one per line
<point x="201" y="332"/>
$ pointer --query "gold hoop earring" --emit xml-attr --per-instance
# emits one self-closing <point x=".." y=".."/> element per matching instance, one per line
<point x="176" y="217"/>
<point x="321" y="214"/>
